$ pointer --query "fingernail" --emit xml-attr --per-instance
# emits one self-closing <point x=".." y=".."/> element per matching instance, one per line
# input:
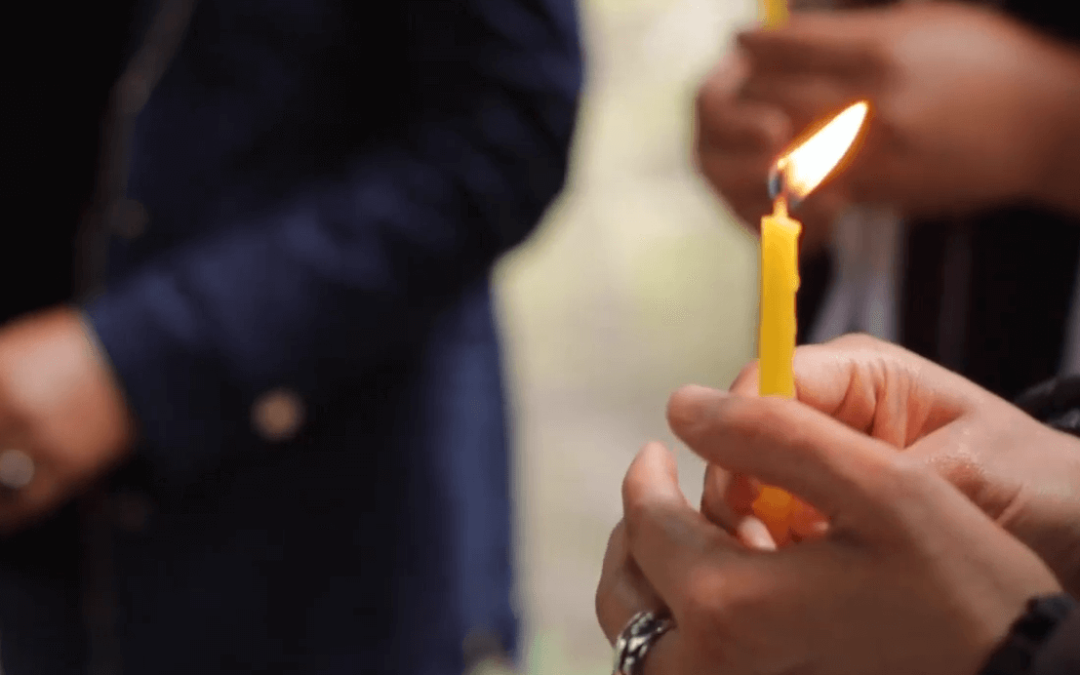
<point x="691" y="403"/>
<point x="652" y="447"/>
<point x="754" y="534"/>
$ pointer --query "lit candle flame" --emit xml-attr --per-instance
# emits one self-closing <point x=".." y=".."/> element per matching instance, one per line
<point x="805" y="167"/>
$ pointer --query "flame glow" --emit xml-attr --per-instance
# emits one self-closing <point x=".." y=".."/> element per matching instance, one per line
<point x="811" y="162"/>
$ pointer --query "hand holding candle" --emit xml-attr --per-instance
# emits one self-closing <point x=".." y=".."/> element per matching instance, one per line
<point x="952" y="136"/>
<point x="795" y="175"/>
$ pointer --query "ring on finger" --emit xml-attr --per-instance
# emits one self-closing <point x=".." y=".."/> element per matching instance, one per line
<point x="635" y="641"/>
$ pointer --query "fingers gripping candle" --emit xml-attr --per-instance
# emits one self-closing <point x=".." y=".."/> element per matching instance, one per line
<point x="794" y="176"/>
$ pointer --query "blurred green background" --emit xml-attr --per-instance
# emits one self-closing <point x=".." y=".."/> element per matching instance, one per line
<point x="638" y="282"/>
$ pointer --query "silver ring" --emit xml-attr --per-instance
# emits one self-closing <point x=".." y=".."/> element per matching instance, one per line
<point x="635" y="641"/>
<point x="16" y="470"/>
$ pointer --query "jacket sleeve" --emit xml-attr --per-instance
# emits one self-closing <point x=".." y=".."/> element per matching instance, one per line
<point x="324" y="287"/>
<point x="1055" y="402"/>
<point x="1060" y="654"/>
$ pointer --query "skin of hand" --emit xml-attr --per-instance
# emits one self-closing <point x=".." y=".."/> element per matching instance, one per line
<point x="910" y="578"/>
<point x="60" y="404"/>
<point x="738" y="139"/>
<point x="1021" y="473"/>
<point x="969" y="109"/>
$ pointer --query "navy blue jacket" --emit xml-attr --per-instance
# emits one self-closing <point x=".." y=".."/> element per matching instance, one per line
<point x="309" y="202"/>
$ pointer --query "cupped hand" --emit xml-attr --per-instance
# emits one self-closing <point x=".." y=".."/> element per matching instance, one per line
<point x="60" y="406"/>
<point x="910" y="578"/>
<point x="968" y="106"/>
<point x="1023" y="474"/>
<point x="738" y="140"/>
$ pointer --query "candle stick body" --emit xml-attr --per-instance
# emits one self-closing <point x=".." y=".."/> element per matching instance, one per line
<point x="803" y="169"/>
<point x="775" y="12"/>
<point x="779" y="283"/>
<point x="776" y="344"/>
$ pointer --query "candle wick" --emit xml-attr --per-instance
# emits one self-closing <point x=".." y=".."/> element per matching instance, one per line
<point x="780" y="207"/>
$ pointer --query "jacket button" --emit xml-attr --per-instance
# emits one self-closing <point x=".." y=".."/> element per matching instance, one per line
<point x="277" y="415"/>
<point x="132" y="512"/>
<point x="130" y="219"/>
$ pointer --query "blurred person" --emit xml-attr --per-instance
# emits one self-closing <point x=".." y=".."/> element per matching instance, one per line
<point x="267" y="435"/>
<point x="940" y="235"/>
<point x="912" y="573"/>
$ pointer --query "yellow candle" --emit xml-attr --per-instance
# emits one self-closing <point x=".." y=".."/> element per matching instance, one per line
<point x="779" y="283"/>
<point x="803" y="169"/>
<point x="775" y="12"/>
<point x="776" y="341"/>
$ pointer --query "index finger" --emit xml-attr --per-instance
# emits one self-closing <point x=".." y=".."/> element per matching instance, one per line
<point x="836" y="43"/>
<point x="791" y="446"/>
<point x="724" y="120"/>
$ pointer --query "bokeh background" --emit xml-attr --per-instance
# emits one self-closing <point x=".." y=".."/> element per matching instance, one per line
<point x="639" y="281"/>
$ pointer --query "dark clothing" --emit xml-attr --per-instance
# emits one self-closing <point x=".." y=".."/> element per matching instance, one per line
<point x="1034" y="639"/>
<point x="54" y="99"/>
<point x="1060" y="654"/>
<point x="1017" y="284"/>
<point x="997" y="312"/>
<point x="314" y="194"/>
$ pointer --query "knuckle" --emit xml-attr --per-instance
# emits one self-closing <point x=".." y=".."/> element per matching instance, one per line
<point x="747" y="375"/>
<point x="904" y="478"/>
<point x="960" y="468"/>
<point x="721" y="83"/>
<point x="636" y="513"/>
<point x="898" y="483"/>
<point x="710" y="103"/>
<point x="775" y="127"/>
<point x="857" y="341"/>
<point x="745" y="417"/>
<point x="875" y="55"/>
<point x="704" y="603"/>
<point x="683" y="407"/>
<point x="714" y="604"/>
